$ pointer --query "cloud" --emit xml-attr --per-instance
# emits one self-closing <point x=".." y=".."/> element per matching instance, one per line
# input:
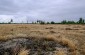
<point x="48" y="10"/>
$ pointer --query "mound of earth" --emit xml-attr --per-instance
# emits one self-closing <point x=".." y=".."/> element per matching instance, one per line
<point x="36" y="46"/>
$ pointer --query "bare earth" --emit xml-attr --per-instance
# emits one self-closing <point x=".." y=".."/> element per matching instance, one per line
<point x="36" y="39"/>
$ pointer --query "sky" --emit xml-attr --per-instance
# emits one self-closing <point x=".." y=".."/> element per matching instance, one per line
<point x="46" y="10"/>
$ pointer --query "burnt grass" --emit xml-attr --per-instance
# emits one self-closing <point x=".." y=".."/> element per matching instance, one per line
<point x="37" y="46"/>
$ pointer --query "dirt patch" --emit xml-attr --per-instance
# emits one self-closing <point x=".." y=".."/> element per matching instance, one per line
<point x="49" y="28"/>
<point x="71" y="29"/>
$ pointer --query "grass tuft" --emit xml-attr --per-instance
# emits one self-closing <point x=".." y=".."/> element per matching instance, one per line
<point x="67" y="42"/>
<point x="60" y="53"/>
<point x="23" y="52"/>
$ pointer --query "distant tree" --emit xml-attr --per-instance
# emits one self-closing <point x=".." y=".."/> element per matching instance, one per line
<point x="38" y="21"/>
<point x="52" y="22"/>
<point x="33" y="23"/>
<point x="71" y="22"/>
<point x="64" y="22"/>
<point x="48" y="22"/>
<point x="11" y="21"/>
<point x="81" y="21"/>
<point x="42" y="22"/>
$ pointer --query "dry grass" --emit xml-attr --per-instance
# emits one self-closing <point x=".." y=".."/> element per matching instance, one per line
<point x="60" y="53"/>
<point x="23" y="52"/>
<point x="67" y="42"/>
<point x="64" y="34"/>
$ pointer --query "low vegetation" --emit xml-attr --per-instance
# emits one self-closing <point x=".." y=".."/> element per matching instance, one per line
<point x="30" y="39"/>
<point x="80" y="21"/>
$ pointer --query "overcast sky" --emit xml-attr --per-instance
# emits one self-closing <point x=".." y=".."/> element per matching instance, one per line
<point x="47" y="10"/>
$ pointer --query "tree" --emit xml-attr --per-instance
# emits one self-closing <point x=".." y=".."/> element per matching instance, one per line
<point x="71" y="22"/>
<point x="83" y="21"/>
<point x="42" y="22"/>
<point x="38" y="21"/>
<point x="64" y="22"/>
<point x="52" y="22"/>
<point x="80" y="20"/>
<point x="48" y="22"/>
<point x="11" y="21"/>
<point x="33" y="23"/>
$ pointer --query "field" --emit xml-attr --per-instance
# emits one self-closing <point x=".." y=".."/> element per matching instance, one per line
<point x="36" y="39"/>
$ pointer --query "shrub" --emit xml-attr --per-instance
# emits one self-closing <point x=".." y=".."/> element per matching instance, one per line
<point x="52" y="22"/>
<point x="42" y="22"/>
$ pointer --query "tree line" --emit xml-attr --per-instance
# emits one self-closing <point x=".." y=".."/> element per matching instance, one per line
<point x="80" y="21"/>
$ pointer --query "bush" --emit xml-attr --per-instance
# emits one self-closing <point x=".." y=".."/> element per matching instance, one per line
<point x="42" y="22"/>
<point x="48" y="22"/>
<point x="52" y="22"/>
<point x="81" y="21"/>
